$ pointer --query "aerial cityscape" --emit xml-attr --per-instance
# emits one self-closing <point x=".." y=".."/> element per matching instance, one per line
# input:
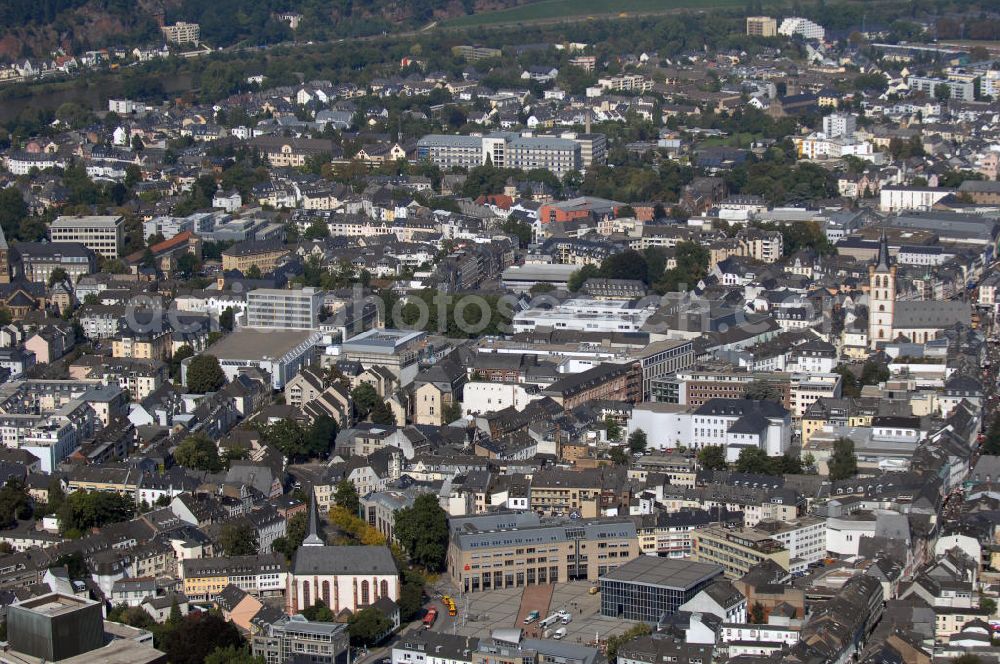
<point x="499" y="332"/>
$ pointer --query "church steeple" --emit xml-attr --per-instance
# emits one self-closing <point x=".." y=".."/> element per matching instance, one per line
<point x="882" y="263"/>
<point x="313" y="538"/>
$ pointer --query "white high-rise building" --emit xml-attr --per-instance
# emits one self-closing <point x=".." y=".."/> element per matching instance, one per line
<point x="796" y="25"/>
<point x="278" y="308"/>
<point x="840" y="124"/>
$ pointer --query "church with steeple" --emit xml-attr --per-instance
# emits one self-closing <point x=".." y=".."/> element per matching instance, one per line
<point x="345" y="578"/>
<point x="917" y="321"/>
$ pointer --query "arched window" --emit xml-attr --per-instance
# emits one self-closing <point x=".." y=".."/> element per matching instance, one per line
<point x="306" y="600"/>
<point x="881" y="307"/>
<point x="383" y="588"/>
<point x="326" y="593"/>
<point x="881" y="334"/>
<point x="364" y="594"/>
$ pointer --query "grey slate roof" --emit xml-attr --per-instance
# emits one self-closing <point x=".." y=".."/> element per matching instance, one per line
<point x="343" y="560"/>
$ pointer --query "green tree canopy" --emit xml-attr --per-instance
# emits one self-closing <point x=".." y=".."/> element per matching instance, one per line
<point x="239" y="539"/>
<point x="198" y="452"/>
<point x="422" y="530"/>
<point x="346" y="495"/>
<point x="199" y="635"/>
<point x="843" y="463"/>
<point x="367" y="626"/>
<point x="712" y="457"/>
<point x="637" y="441"/>
<point x="204" y="374"/>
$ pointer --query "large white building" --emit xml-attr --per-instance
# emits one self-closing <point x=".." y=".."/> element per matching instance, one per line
<point x="734" y="424"/>
<point x="840" y="124"/>
<point x="796" y="25"/>
<point x="894" y="198"/>
<point x="504" y="150"/>
<point x="281" y="353"/>
<point x="284" y="309"/>
<point x="585" y="315"/>
<point x="487" y="396"/>
<point x="102" y="234"/>
<point x="343" y="577"/>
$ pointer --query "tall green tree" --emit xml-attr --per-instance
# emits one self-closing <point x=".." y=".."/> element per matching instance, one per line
<point x="367" y="626"/>
<point x="637" y="441"/>
<point x="199" y="635"/>
<point x="345" y="495"/>
<point x="712" y="457"/>
<point x="422" y="530"/>
<point x="204" y="374"/>
<point x="843" y="463"/>
<point x="198" y="452"/>
<point x="239" y="539"/>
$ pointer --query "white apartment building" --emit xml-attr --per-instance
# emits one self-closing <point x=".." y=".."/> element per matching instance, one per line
<point x="796" y="25"/>
<point x="283" y="309"/>
<point x="504" y="150"/>
<point x="961" y="90"/>
<point x="804" y="538"/>
<point x="182" y="33"/>
<point x="843" y="534"/>
<point x="840" y="124"/>
<point x="102" y="234"/>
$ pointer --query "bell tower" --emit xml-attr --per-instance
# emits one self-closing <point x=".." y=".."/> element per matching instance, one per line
<point x="881" y="295"/>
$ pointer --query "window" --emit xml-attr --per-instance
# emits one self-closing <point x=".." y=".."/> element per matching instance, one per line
<point x="384" y="588"/>
<point x="365" y="599"/>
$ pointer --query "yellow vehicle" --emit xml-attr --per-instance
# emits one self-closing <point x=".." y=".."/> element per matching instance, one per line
<point x="594" y="590"/>
<point x="452" y="610"/>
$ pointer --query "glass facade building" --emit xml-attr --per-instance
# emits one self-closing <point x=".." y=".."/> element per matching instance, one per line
<point x="649" y="587"/>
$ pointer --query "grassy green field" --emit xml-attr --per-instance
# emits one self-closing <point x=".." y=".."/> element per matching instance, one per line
<point x="551" y="10"/>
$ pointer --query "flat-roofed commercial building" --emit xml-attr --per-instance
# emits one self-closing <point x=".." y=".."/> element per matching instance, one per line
<point x="35" y="261"/>
<point x="509" y="150"/>
<point x="649" y="587"/>
<point x="284" y="309"/>
<point x="281" y="353"/>
<point x="737" y="550"/>
<point x="396" y="350"/>
<point x="102" y="234"/>
<point x="515" y="550"/>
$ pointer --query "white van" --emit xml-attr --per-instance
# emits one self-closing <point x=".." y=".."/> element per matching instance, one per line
<point x="561" y="632"/>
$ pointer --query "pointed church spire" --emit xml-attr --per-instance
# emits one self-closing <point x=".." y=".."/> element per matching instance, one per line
<point x="882" y="265"/>
<point x="313" y="538"/>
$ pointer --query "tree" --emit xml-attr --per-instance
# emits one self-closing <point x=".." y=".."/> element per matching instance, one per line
<point x="873" y="373"/>
<point x="628" y="264"/>
<point x="205" y="374"/>
<point x="364" y="397"/>
<point x="942" y="92"/>
<point x="712" y="457"/>
<point x="616" y="642"/>
<point x="614" y="430"/>
<point x="988" y="604"/>
<point x="227" y="319"/>
<point x="753" y="460"/>
<point x="579" y="277"/>
<point x="319" y="612"/>
<point x="239" y="539"/>
<point x="382" y="414"/>
<point x="637" y="441"/>
<point x="253" y="272"/>
<point x="15" y="503"/>
<point x="198" y="452"/>
<point x="199" y="635"/>
<point x="13" y="210"/>
<point x="317" y="230"/>
<point x="760" y="390"/>
<point x="843" y="463"/>
<point x="233" y="655"/>
<point x="295" y="533"/>
<point x="756" y="613"/>
<point x="451" y="412"/>
<point x="968" y="659"/>
<point x="83" y="510"/>
<point x="422" y="530"/>
<point x="58" y="276"/>
<point x="179" y="356"/>
<point x="991" y="445"/>
<point x="188" y="265"/>
<point x="411" y="596"/>
<point x="346" y="496"/>
<point x="319" y="437"/>
<point x="849" y="384"/>
<point x="367" y="626"/>
<point x="618" y="456"/>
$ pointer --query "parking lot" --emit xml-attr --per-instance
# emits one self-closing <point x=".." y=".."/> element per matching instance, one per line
<point x="478" y="613"/>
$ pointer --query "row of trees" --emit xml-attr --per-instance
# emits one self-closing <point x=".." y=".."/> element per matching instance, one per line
<point x="650" y="267"/>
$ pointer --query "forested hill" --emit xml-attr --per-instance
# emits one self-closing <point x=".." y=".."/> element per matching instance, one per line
<point x="37" y="27"/>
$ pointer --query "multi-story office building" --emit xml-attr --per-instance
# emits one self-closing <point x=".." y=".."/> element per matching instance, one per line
<point x="104" y="235"/>
<point x="840" y="124"/>
<point x="648" y="587"/>
<point x="508" y="150"/>
<point x="296" y="639"/>
<point x="265" y="256"/>
<point x="805" y="539"/>
<point x="284" y="309"/>
<point x="585" y="315"/>
<point x="515" y="550"/>
<point x="396" y="350"/>
<point x="35" y="261"/>
<point x="737" y="550"/>
<point x="761" y="26"/>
